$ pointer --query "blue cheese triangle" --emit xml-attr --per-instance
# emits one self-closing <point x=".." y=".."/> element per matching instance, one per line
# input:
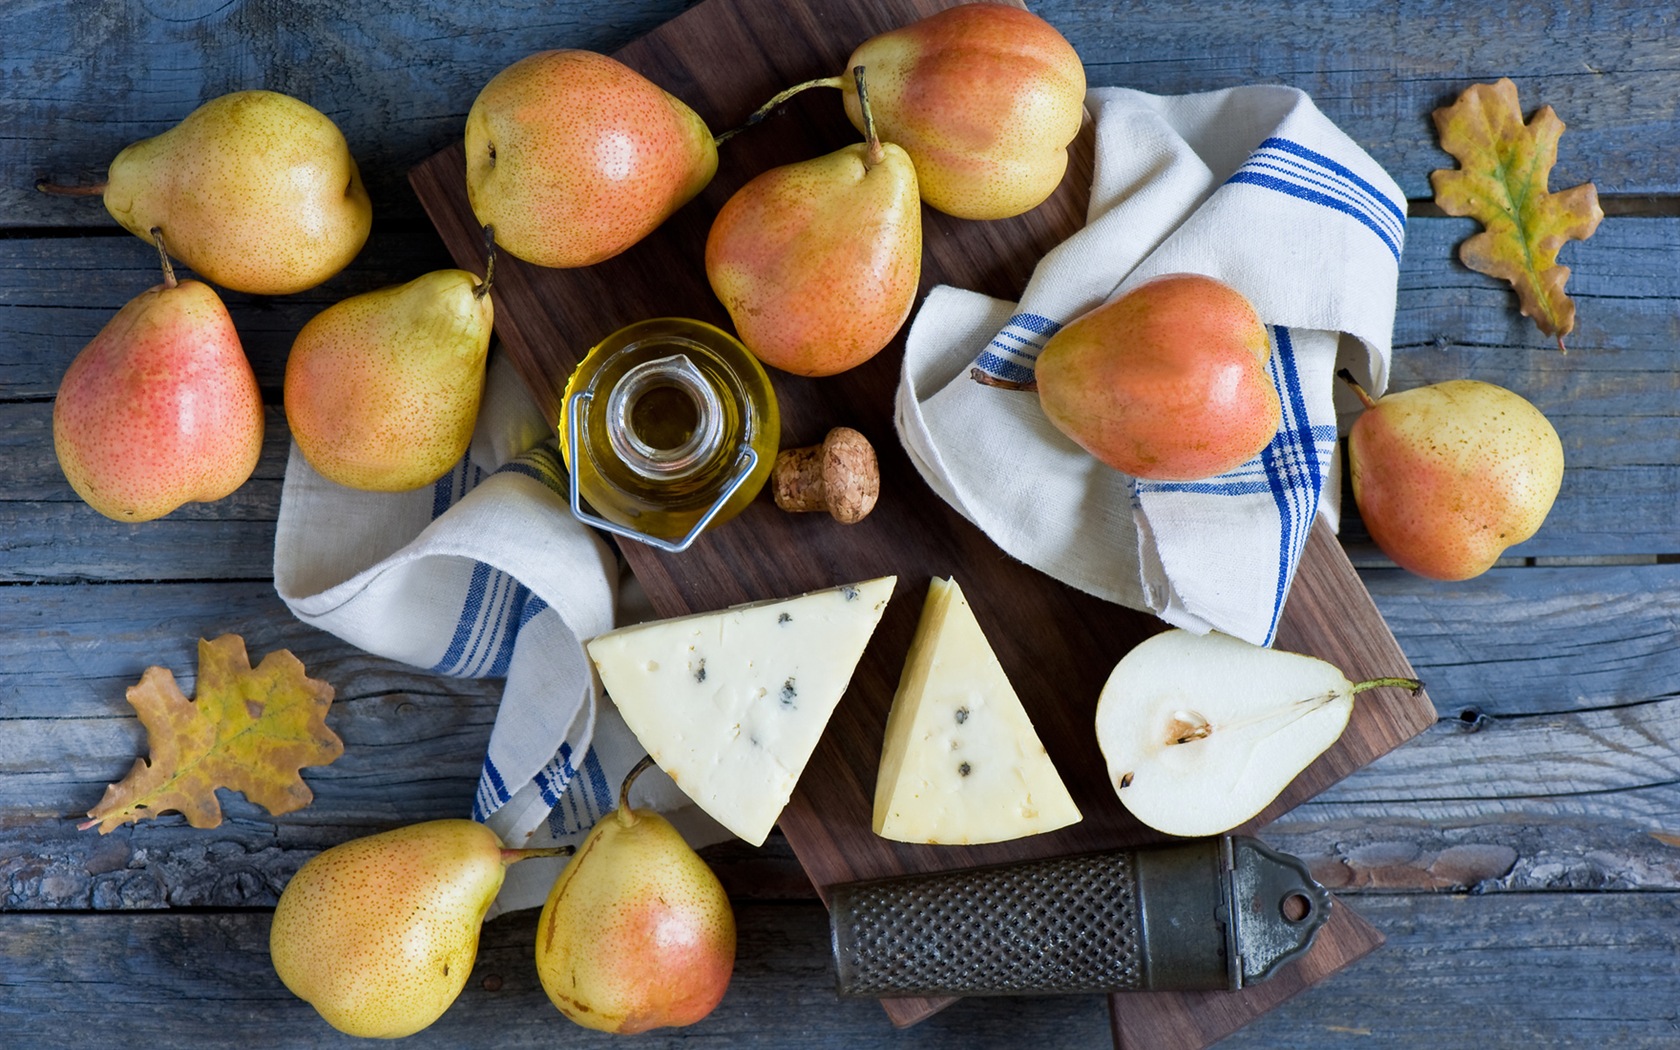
<point x="731" y="703"/>
<point x="961" y="763"/>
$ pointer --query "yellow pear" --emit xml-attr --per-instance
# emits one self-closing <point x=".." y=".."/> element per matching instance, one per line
<point x="256" y="191"/>
<point x="818" y="262"/>
<point x="1447" y="476"/>
<point x="380" y="933"/>
<point x="637" y="932"/>
<point x="382" y="390"/>
<point x="573" y="157"/>
<point x="161" y="408"/>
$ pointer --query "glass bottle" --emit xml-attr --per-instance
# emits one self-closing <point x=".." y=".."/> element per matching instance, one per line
<point x="675" y="426"/>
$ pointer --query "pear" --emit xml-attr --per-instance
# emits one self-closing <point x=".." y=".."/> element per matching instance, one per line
<point x="637" y="932"/>
<point x="983" y="97"/>
<point x="380" y="933"/>
<point x="161" y="408"/>
<point x="1448" y="476"/>
<point x="1202" y="732"/>
<point x="1168" y="382"/>
<point x="818" y="262"/>
<point x="573" y="157"/>
<point x="256" y="191"/>
<point x="382" y="390"/>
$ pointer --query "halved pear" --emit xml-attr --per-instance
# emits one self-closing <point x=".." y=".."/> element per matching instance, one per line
<point x="1202" y="732"/>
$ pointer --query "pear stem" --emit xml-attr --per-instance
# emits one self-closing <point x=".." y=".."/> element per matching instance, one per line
<point x="163" y="257"/>
<point x="626" y="815"/>
<point x="1411" y="685"/>
<point x="873" y="153"/>
<point x="781" y="96"/>
<point x="1347" y="377"/>
<point x="56" y="190"/>
<point x="483" y="288"/>
<point x="514" y="856"/>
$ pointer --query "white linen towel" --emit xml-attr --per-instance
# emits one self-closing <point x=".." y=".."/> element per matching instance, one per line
<point x="1253" y="186"/>
<point x="484" y="574"/>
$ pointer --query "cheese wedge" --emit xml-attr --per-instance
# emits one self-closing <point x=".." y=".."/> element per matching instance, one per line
<point x="731" y="703"/>
<point x="961" y="763"/>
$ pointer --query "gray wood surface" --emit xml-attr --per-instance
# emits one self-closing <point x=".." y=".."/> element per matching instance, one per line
<point x="1523" y="856"/>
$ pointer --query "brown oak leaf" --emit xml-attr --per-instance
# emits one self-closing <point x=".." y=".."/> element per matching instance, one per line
<point x="1504" y="166"/>
<point x="248" y="730"/>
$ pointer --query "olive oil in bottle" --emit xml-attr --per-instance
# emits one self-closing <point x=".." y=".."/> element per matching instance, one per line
<point x="673" y="417"/>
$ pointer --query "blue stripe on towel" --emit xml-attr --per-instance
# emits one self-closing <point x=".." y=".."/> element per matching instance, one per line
<point x="1292" y="169"/>
<point x="1012" y="352"/>
<point x="470" y="609"/>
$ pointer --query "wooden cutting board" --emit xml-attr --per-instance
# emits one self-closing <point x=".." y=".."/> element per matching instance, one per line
<point x="725" y="57"/>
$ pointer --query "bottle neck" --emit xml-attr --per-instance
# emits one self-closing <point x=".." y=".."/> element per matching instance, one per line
<point x="664" y="419"/>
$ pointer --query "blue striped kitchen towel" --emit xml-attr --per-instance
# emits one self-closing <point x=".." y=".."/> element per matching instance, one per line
<point x="483" y="574"/>
<point x="1254" y="186"/>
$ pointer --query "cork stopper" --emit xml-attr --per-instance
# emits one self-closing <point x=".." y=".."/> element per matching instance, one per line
<point x="841" y="476"/>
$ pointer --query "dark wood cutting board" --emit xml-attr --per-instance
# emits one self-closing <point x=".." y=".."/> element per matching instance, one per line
<point x="725" y="57"/>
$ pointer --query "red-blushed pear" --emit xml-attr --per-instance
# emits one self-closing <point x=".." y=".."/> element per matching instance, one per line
<point x="379" y="934"/>
<point x="1167" y="382"/>
<point x="818" y="261"/>
<point x="382" y="389"/>
<point x="162" y="407"/>
<point x="637" y="932"/>
<point x="573" y="157"/>
<point x="983" y="97"/>
<point x="1201" y="732"/>
<point x="1449" y="475"/>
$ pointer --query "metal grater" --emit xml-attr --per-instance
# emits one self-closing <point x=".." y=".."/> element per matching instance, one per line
<point x="1208" y="914"/>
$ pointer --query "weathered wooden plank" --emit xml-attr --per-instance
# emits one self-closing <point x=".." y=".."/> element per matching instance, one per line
<point x="1377" y="68"/>
<point x="414" y="742"/>
<point x="48" y="534"/>
<point x="1536" y="641"/>
<point x="1399" y="854"/>
<point x="1494" y="971"/>
<point x="204" y="980"/>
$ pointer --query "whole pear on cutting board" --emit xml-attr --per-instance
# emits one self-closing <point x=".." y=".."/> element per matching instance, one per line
<point x="256" y="191"/>
<point x="1448" y="476"/>
<point x="380" y="933"/>
<point x="818" y="261"/>
<point x="1169" y="381"/>
<point x="573" y="157"/>
<point x="984" y="97"/>
<point x="382" y="390"/>
<point x="637" y="932"/>
<point x="1201" y="732"/>
<point x="161" y="408"/>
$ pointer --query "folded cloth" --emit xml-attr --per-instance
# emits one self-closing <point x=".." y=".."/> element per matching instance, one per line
<point x="483" y="574"/>
<point x="1253" y="186"/>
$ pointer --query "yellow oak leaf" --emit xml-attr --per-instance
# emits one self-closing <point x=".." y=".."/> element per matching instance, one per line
<point x="1504" y="166"/>
<point x="248" y="730"/>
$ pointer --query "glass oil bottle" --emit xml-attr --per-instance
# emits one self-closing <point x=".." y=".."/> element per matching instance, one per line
<point x="668" y="426"/>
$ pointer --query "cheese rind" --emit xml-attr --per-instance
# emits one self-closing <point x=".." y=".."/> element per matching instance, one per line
<point x="961" y="763"/>
<point x="731" y="703"/>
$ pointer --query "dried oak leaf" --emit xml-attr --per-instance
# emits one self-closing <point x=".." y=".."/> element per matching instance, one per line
<point x="248" y="730"/>
<point x="1504" y="165"/>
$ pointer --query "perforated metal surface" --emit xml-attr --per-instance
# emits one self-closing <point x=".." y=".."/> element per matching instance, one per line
<point x="1073" y="926"/>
